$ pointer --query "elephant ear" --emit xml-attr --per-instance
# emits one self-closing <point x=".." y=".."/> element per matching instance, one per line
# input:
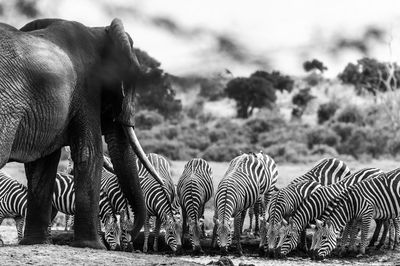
<point x="121" y="39"/>
<point x="39" y="24"/>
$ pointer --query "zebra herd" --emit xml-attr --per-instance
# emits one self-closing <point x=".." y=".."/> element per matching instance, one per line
<point x="329" y="200"/>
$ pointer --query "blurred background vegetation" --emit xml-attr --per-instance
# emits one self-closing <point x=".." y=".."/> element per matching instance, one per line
<point x="294" y="118"/>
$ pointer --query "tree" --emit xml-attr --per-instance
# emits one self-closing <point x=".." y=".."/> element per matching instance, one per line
<point x="279" y="82"/>
<point x="301" y="101"/>
<point x="314" y="64"/>
<point x="157" y="93"/>
<point x="250" y="93"/>
<point x="368" y="75"/>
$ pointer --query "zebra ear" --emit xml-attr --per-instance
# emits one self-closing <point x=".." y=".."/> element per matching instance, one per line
<point x="328" y="223"/>
<point x="284" y="222"/>
<point x="319" y="223"/>
<point x="231" y="220"/>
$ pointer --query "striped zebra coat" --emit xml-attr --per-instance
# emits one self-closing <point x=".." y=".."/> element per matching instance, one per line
<point x="326" y="172"/>
<point x="314" y="206"/>
<point x="195" y="188"/>
<point x="378" y="198"/>
<point x="13" y="200"/>
<point x="249" y="177"/>
<point x="63" y="200"/>
<point x="159" y="201"/>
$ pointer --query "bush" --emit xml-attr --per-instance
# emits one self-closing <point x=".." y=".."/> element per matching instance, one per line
<point x="344" y="130"/>
<point x="351" y="114"/>
<point x="220" y="153"/>
<point x="321" y="135"/>
<point x="170" y="149"/>
<point x="326" y="111"/>
<point x="295" y="133"/>
<point x="394" y="147"/>
<point x="292" y="152"/>
<point x="218" y="134"/>
<point x="147" y="119"/>
<point x="324" y="151"/>
<point x="365" y="140"/>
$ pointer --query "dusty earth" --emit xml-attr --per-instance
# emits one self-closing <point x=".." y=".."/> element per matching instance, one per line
<point x="13" y="254"/>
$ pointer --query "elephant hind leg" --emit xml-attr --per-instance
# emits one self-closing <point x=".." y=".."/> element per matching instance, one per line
<point x="41" y="176"/>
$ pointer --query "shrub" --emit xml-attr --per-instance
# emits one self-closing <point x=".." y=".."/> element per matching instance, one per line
<point x="394" y="146"/>
<point x="365" y="140"/>
<point x="220" y="153"/>
<point x="295" y="133"/>
<point x="170" y="132"/>
<point x="326" y="111"/>
<point x="321" y="135"/>
<point x="324" y="151"/>
<point x="147" y="119"/>
<point x="351" y="114"/>
<point x="218" y="134"/>
<point x="344" y="130"/>
<point x="292" y="152"/>
<point x="171" y="149"/>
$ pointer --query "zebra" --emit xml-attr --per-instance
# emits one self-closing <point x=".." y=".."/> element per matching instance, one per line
<point x="283" y="205"/>
<point x="63" y="200"/>
<point x="110" y="185"/>
<point x="159" y="203"/>
<point x="195" y="188"/>
<point x="378" y="198"/>
<point x="13" y="202"/>
<point x="326" y="172"/>
<point x="312" y="207"/>
<point x="247" y="179"/>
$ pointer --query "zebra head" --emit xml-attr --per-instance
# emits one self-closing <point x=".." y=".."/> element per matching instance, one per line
<point x="325" y="239"/>
<point x="224" y="234"/>
<point x="112" y="231"/>
<point x="126" y="227"/>
<point x="289" y="238"/>
<point x="274" y="231"/>
<point x="194" y="233"/>
<point x="173" y="232"/>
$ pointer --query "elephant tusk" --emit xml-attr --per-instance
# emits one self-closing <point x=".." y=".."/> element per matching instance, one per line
<point x="137" y="148"/>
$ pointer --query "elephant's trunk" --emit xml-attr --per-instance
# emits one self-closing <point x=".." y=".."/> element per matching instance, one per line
<point x="124" y="164"/>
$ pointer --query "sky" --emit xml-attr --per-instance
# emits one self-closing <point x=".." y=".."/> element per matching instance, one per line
<point x="185" y="35"/>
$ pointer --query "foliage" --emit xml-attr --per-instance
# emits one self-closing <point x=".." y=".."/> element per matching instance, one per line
<point x="350" y="114"/>
<point x="321" y="135"/>
<point x="279" y="82"/>
<point x="368" y="75"/>
<point x="288" y="152"/>
<point x="147" y="119"/>
<point x="250" y="93"/>
<point x="314" y="64"/>
<point x="155" y="91"/>
<point x="326" y="111"/>
<point x="301" y="101"/>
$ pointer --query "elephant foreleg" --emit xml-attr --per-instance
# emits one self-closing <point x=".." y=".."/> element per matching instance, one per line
<point x="87" y="155"/>
<point x="41" y="176"/>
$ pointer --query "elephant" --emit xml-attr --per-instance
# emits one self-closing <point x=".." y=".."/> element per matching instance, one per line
<point x="65" y="84"/>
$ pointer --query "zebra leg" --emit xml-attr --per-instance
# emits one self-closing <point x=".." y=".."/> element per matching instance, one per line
<point x="353" y="237"/>
<point x="156" y="234"/>
<point x="146" y="233"/>
<point x="214" y="234"/>
<point x="237" y="227"/>
<point x="184" y="227"/>
<point x="242" y="217"/>
<point x="344" y="240"/>
<point x="396" y="223"/>
<point x="375" y="236"/>
<point x="257" y="208"/>
<point x="366" y="224"/>
<point x="386" y="225"/>
<point x="203" y="229"/>
<point x="19" y="224"/>
<point x="251" y="214"/>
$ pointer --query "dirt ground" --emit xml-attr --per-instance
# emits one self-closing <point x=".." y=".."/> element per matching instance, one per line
<point x="12" y="254"/>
